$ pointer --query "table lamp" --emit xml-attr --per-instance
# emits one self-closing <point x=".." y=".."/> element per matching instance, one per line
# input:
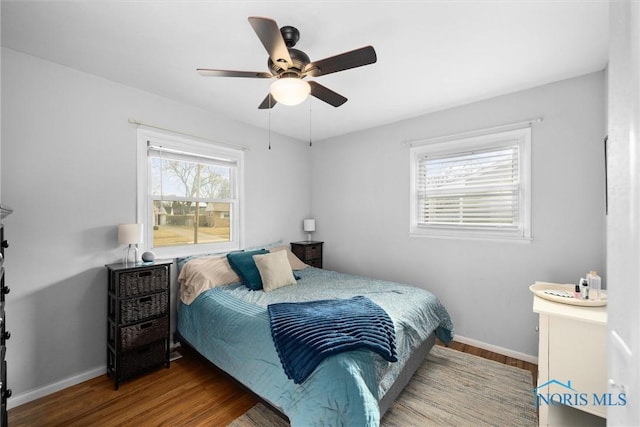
<point x="309" y="225"/>
<point x="130" y="235"/>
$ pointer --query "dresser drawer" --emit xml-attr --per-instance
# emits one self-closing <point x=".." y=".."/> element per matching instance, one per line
<point x="307" y="251"/>
<point x="143" y="333"/>
<point x="138" y="309"/>
<point x="143" y="358"/>
<point x="316" y="262"/>
<point x="312" y="252"/>
<point x="139" y="282"/>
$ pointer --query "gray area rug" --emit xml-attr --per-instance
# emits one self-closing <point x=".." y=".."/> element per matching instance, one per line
<point x="451" y="388"/>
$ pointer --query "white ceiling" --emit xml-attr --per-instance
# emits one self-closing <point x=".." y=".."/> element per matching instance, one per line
<point x="431" y="54"/>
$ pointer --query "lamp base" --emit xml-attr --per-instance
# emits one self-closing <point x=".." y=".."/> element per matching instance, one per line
<point x="130" y="257"/>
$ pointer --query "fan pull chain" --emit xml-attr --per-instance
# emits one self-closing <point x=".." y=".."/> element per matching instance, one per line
<point x="310" y="143"/>
<point x="269" y="121"/>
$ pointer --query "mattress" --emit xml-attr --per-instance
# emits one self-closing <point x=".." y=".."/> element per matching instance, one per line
<point x="229" y="325"/>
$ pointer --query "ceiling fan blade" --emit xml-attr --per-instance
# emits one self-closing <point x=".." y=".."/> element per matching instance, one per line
<point x="271" y="38"/>
<point x="327" y="95"/>
<point x="266" y="104"/>
<point x="208" y="72"/>
<point x="344" y="61"/>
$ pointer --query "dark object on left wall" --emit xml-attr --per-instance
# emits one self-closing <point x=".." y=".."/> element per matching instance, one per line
<point x="5" y="392"/>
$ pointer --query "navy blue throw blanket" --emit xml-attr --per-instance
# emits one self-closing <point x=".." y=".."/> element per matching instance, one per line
<point x="305" y="333"/>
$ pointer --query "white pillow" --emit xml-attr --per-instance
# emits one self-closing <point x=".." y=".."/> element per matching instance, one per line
<point x="201" y="274"/>
<point x="296" y="263"/>
<point x="275" y="270"/>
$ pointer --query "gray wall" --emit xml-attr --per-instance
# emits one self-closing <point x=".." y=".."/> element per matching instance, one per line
<point x="360" y="199"/>
<point x="69" y="172"/>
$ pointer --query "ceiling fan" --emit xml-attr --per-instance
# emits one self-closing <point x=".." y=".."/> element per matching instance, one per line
<point x="290" y="66"/>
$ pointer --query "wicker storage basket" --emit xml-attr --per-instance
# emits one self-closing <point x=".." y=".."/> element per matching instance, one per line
<point x="142" y="282"/>
<point x="136" y="309"/>
<point x="141" y="359"/>
<point x="143" y="333"/>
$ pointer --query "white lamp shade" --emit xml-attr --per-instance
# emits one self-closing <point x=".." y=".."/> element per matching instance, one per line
<point x="129" y="234"/>
<point x="309" y="225"/>
<point x="290" y="90"/>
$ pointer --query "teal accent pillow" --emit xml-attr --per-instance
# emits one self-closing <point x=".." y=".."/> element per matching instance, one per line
<point x="245" y="267"/>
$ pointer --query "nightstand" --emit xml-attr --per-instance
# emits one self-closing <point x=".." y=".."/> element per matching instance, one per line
<point x="309" y="252"/>
<point x="137" y="319"/>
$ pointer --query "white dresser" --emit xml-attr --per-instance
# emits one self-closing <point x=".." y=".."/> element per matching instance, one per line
<point x="572" y="363"/>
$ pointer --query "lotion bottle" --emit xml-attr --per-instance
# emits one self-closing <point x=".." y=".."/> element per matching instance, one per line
<point x="595" y="284"/>
<point x="584" y="289"/>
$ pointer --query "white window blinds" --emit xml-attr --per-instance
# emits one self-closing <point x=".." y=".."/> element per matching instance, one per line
<point x="169" y="153"/>
<point x="473" y="187"/>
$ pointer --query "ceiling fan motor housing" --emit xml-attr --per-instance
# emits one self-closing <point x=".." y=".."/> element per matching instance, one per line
<point x="299" y="59"/>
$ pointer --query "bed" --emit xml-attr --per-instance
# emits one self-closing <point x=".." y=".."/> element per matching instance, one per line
<point x="229" y="324"/>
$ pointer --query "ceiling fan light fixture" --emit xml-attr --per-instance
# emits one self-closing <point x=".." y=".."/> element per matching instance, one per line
<point x="290" y="90"/>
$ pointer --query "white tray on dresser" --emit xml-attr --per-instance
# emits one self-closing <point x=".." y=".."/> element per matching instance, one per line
<point x="552" y="292"/>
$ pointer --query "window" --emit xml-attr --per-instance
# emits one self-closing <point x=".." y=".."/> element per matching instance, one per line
<point x="473" y="187"/>
<point x="189" y="194"/>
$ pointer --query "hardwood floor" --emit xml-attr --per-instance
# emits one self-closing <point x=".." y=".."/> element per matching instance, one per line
<point x="190" y="393"/>
<point x="465" y="348"/>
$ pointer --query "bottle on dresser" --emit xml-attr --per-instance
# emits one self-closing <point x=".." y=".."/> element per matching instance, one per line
<point x="589" y="288"/>
<point x="584" y="289"/>
<point x="595" y="284"/>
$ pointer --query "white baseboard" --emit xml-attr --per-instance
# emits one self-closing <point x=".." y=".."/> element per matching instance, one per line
<point x="52" y="388"/>
<point x="496" y="349"/>
<point x="37" y="393"/>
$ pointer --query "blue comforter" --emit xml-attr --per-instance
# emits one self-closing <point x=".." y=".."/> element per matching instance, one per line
<point x="230" y="326"/>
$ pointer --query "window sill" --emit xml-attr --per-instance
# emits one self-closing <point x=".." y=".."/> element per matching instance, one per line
<point x="182" y="251"/>
<point x="487" y="238"/>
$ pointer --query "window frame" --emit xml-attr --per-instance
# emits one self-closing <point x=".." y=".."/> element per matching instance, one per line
<point x="456" y="145"/>
<point x="195" y="147"/>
